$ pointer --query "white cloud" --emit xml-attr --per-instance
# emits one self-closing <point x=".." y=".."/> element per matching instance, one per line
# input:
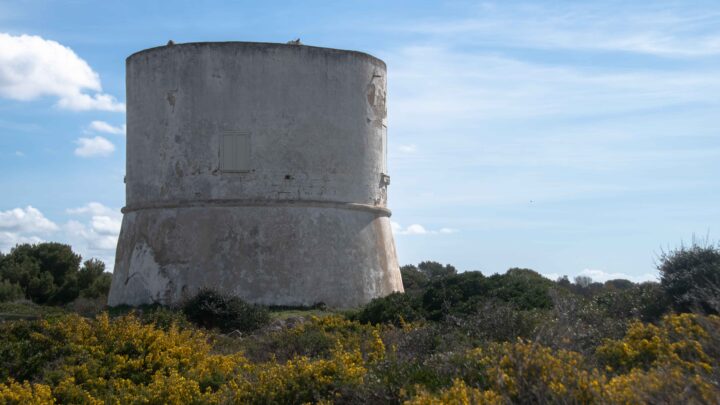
<point x="105" y="225"/>
<point x="603" y="276"/>
<point x="8" y="240"/>
<point x="407" y="148"/>
<point x="94" y="239"/>
<point x="97" y="234"/>
<point x="19" y="153"/>
<point x="92" y="208"/>
<point x="102" y="126"/>
<point x="93" y="234"/>
<point x="25" y="220"/>
<point x="97" y="146"/>
<point x="32" y="67"/>
<point x="23" y="225"/>
<point x="417" y="229"/>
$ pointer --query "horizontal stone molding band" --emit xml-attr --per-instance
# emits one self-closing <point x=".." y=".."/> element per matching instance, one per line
<point x="379" y="211"/>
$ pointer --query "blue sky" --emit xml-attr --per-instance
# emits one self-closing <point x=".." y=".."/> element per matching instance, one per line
<point x="567" y="137"/>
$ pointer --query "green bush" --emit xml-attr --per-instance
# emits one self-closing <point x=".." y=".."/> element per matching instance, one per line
<point x="413" y="279"/>
<point x="435" y="270"/>
<point x="499" y="321"/>
<point x="10" y="291"/>
<point x="461" y="294"/>
<point x="395" y="308"/>
<point x="690" y="277"/>
<point x="211" y="309"/>
<point x="524" y="288"/>
<point x="453" y="293"/>
<point x="646" y="301"/>
<point x="50" y="273"/>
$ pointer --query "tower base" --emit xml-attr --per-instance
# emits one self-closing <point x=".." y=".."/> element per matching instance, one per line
<point x="342" y="255"/>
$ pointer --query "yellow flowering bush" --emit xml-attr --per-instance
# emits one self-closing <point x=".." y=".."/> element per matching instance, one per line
<point x="459" y="393"/>
<point x="671" y="385"/>
<point x="525" y="371"/>
<point x="678" y="341"/>
<point x="12" y="393"/>
<point x="71" y="359"/>
<point x="299" y="380"/>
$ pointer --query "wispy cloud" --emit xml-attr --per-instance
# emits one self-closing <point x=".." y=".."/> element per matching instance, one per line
<point x="440" y="88"/>
<point x="102" y="126"/>
<point x="658" y="29"/>
<point x="32" y="67"/>
<point x="408" y="149"/>
<point x="602" y="276"/>
<point x="417" y="229"/>
<point x="93" y="147"/>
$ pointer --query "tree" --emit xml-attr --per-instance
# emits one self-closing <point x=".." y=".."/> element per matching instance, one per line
<point x="413" y="279"/>
<point x="49" y="273"/>
<point x="690" y="277"/>
<point x="583" y="281"/>
<point x="435" y="270"/>
<point x="619" y="284"/>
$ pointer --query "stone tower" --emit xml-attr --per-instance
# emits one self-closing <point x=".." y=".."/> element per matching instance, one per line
<point x="256" y="169"/>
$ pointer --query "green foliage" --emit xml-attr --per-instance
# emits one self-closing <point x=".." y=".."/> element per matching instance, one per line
<point x="49" y="273"/>
<point x="211" y="309"/>
<point x="524" y="288"/>
<point x="453" y="293"/>
<point x="435" y="270"/>
<point x="164" y="318"/>
<point x="396" y="308"/>
<point x="452" y="337"/>
<point x="10" y="291"/>
<point x="413" y="279"/>
<point x="646" y="301"/>
<point x="619" y="284"/>
<point x="498" y="321"/>
<point x="123" y="360"/>
<point x="690" y="277"/>
<point x="462" y="293"/>
<point x="100" y="287"/>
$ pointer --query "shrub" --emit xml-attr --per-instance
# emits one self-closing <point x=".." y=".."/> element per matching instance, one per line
<point x="50" y="274"/>
<point x="211" y="309"/>
<point x="578" y="324"/>
<point x="679" y="340"/>
<point x="499" y="321"/>
<point x="646" y="301"/>
<point x="78" y="360"/>
<point x="690" y="277"/>
<point x="462" y="293"/>
<point x="10" y="291"/>
<point x="524" y="288"/>
<point x="316" y="339"/>
<point x="93" y="281"/>
<point x="452" y="293"/>
<point x="396" y="308"/>
<point x="412" y="278"/>
<point x="435" y="270"/>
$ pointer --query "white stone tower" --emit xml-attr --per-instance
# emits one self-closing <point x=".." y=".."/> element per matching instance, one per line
<point x="259" y="170"/>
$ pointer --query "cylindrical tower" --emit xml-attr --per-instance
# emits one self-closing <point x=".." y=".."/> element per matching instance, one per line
<point x="259" y="170"/>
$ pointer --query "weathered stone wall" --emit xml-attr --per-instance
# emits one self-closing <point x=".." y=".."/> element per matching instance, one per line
<point x="306" y="223"/>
